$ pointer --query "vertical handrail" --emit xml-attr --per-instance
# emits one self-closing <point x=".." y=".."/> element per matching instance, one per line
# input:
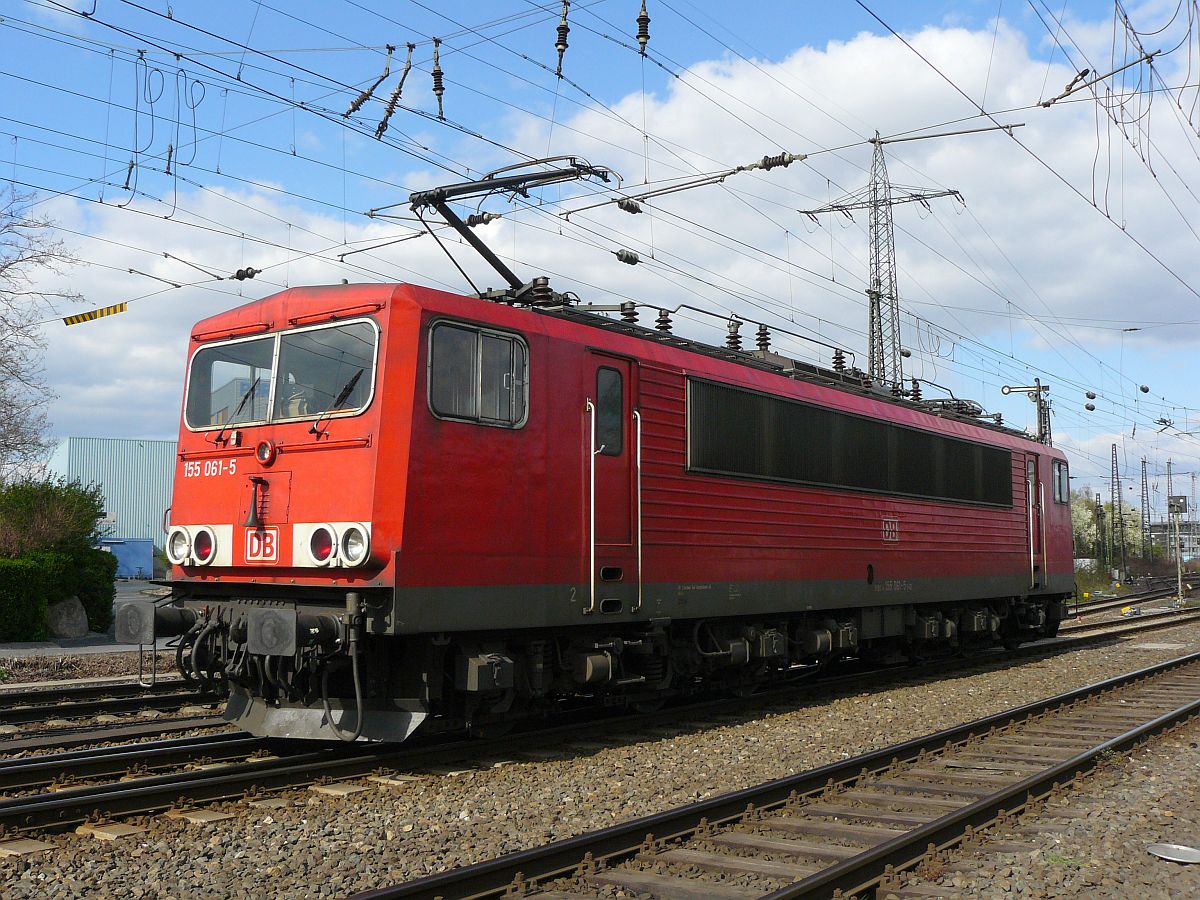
<point x="591" y="451"/>
<point x="1042" y="519"/>
<point x="1029" y="518"/>
<point x="637" y="420"/>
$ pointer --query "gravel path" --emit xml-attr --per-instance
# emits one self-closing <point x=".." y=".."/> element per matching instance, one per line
<point x="318" y="846"/>
<point x="1150" y="796"/>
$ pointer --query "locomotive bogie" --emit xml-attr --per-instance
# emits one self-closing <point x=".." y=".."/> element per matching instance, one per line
<point x="418" y="509"/>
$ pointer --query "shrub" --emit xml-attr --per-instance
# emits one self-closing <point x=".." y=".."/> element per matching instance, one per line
<point x="60" y="570"/>
<point x="96" y="586"/>
<point x="55" y="514"/>
<point x="22" y="600"/>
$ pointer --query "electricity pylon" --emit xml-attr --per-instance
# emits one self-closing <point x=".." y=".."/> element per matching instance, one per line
<point x="879" y="196"/>
<point x="1147" y="550"/>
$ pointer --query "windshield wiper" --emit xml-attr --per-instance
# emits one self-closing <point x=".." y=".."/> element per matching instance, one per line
<point x="338" y="401"/>
<point x="241" y="405"/>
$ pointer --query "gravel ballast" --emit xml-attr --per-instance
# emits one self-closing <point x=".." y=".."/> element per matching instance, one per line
<point x="1149" y="796"/>
<point x="318" y="846"/>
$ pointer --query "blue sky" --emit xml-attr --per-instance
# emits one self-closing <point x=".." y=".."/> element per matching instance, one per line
<point x="1039" y="274"/>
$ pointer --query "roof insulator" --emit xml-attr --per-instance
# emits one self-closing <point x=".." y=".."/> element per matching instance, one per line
<point x="733" y="340"/>
<point x="663" y="322"/>
<point x="481" y="218"/>
<point x="915" y="394"/>
<point x="438" y="87"/>
<point x="561" y="44"/>
<point x="629" y="206"/>
<point x="628" y="257"/>
<point x="629" y="312"/>
<point x="643" y="33"/>
<point x="540" y="293"/>
<point x="839" y="360"/>
<point x="762" y="339"/>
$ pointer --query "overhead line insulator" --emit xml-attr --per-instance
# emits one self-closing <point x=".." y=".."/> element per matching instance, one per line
<point x="438" y="87"/>
<point x="563" y="30"/>
<point x="629" y="257"/>
<point x="394" y="100"/>
<point x="643" y="32"/>
<point x="629" y="205"/>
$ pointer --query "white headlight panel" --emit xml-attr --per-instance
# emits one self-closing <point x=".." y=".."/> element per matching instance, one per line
<point x="179" y="545"/>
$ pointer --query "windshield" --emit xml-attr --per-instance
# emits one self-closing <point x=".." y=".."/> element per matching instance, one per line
<point x="294" y="375"/>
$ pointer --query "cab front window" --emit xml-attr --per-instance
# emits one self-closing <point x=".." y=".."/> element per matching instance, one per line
<point x="307" y="373"/>
<point x="325" y="370"/>
<point x="230" y="383"/>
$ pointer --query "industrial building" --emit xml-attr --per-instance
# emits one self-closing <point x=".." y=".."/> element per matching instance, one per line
<point x="135" y="476"/>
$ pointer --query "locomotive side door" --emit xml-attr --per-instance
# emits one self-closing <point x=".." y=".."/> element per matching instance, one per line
<point x="612" y="439"/>
<point x="1035" y="496"/>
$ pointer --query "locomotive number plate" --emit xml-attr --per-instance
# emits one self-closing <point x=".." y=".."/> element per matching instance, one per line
<point x="890" y="529"/>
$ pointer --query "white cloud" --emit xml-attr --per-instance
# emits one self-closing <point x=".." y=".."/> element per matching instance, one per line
<point x="123" y="375"/>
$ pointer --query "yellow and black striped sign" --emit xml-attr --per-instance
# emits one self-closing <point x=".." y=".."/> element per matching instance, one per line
<point x="95" y="314"/>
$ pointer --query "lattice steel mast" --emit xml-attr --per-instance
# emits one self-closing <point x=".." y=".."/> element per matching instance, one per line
<point x="879" y="196"/>
<point x="1118" y="514"/>
<point x="1147" y="544"/>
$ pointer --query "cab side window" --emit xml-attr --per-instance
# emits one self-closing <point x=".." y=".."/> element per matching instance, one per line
<point x="610" y="414"/>
<point x="1062" y="482"/>
<point x="478" y="375"/>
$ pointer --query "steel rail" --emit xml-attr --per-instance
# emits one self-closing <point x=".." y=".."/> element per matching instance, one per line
<point x="42" y="710"/>
<point x="77" y="736"/>
<point x="27" y="772"/>
<point x="492" y="878"/>
<point x="79" y="688"/>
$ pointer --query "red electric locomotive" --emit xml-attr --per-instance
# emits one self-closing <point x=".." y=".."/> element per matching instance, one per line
<point x="395" y="504"/>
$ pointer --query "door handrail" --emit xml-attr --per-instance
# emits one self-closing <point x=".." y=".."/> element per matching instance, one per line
<point x="1042" y="519"/>
<point x="637" y="420"/>
<point x="1029" y="519"/>
<point x="591" y="450"/>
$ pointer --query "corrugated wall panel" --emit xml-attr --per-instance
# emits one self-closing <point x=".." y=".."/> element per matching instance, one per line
<point x="135" y="475"/>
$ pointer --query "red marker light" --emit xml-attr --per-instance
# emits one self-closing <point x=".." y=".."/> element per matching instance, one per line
<point x="320" y="545"/>
<point x="203" y="546"/>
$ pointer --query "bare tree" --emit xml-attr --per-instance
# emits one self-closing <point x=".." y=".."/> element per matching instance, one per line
<point x="29" y="252"/>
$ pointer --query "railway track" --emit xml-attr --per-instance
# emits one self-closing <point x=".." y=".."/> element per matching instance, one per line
<point x="1148" y="595"/>
<point x="81" y="701"/>
<point x="847" y="826"/>
<point x="153" y="776"/>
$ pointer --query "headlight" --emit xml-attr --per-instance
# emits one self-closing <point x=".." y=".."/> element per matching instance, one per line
<point x="179" y="545"/>
<point x="265" y="452"/>
<point x="322" y="545"/>
<point x="356" y="546"/>
<point x="204" y="546"/>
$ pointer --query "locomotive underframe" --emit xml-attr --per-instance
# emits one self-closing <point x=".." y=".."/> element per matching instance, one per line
<point x="295" y="667"/>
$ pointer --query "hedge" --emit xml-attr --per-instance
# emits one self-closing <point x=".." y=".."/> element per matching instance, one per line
<point x="96" y="587"/>
<point x="23" y="589"/>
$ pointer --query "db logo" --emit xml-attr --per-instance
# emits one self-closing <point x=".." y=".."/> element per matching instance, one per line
<point x="891" y="529"/>
<point x="262" y="545"/>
